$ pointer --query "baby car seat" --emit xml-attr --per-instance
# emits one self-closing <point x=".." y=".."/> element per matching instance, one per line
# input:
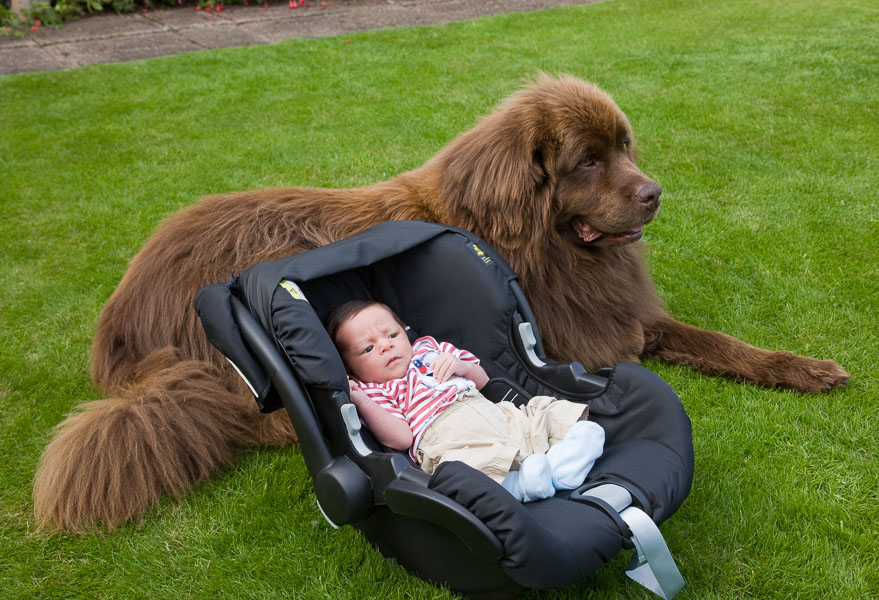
<point x="457" y="527"/>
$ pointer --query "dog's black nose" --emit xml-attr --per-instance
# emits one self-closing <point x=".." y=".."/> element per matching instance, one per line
<point x="649" y="195"/>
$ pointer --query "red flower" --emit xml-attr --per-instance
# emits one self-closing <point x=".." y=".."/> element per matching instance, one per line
<point x="37" y="22"/>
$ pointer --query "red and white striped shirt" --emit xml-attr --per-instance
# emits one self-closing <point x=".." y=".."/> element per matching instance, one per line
<point x="417" y="397"/>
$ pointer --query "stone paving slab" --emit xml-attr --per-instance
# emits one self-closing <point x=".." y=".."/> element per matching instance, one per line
<point x="135" y="47"/>
<point x="14" y="42"/>
<point x="256" y="12"/>
<point x="96" y="27"/>
<point x="224" y="36"/>
<point x="25" y="59"/>
<point x="186" y="18"/>
<point x="279" y="30"/>
<point x="108" y="38"/>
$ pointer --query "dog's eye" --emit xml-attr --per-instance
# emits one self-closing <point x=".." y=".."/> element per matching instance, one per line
<point x="587" y="162"/>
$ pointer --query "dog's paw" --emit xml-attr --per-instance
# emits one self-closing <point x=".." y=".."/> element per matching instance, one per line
<point x="815" y="376"/>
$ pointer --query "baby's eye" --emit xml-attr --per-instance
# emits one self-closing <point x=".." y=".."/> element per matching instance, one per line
<point x="393" y="335"/>
<point x="368" y="349"/>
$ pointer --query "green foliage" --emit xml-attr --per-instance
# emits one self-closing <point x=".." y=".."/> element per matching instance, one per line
<point x="9" y="21"/>
<point x="759" y="120"/>
<point x="55" y="12"/>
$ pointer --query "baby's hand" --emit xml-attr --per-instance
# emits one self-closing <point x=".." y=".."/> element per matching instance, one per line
<point x="356" y="394"/>
<point x="446" y="365"/>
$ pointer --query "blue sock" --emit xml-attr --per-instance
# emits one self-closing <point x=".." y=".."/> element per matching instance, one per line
<point x="573" y="457"/>
<point x="533" y="480"/>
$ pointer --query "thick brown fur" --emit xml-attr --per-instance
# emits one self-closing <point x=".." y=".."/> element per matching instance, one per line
<point x="548" y="179"/>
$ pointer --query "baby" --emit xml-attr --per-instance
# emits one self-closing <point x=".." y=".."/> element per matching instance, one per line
<point x="425" y="397"/>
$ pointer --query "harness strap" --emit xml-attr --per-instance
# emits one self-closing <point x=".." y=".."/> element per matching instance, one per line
<point x="652" y="564"/>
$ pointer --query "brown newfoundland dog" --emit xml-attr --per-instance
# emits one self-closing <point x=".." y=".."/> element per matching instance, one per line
<point x="548" y="179"/>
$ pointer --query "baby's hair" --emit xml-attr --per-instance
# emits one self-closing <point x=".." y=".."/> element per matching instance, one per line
<point x="351" y="309"/>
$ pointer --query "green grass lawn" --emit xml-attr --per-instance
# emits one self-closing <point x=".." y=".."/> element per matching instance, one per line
<point x="760" y="120"/>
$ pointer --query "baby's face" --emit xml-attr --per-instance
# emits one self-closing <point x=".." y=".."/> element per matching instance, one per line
<point x="374" y="346"/>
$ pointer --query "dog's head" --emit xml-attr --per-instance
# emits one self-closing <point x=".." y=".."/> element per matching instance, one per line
<point x="557" y="159"/>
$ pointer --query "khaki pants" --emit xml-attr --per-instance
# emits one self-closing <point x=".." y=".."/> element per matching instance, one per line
<point x="494" y="437"/>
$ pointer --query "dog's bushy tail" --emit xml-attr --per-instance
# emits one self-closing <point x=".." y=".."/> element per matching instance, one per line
<point x="177" y="425"/>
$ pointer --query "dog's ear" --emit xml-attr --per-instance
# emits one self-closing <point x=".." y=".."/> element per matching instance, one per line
<point x="496" y="180"/>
